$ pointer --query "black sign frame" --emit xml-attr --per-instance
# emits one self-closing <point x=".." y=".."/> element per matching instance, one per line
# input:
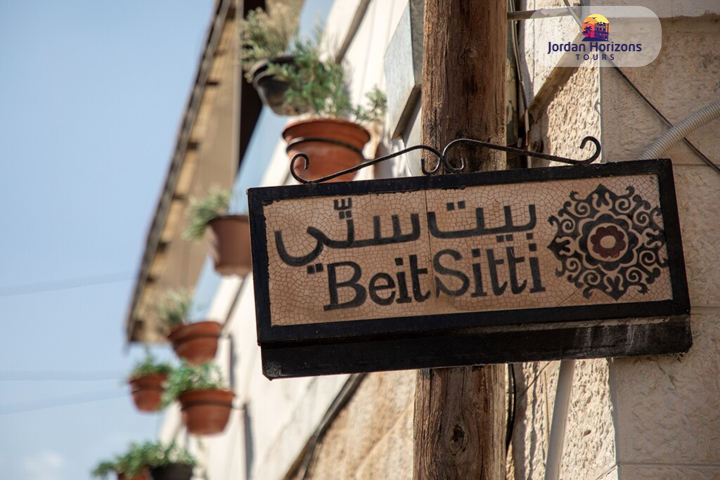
<point x="477" y="337"/>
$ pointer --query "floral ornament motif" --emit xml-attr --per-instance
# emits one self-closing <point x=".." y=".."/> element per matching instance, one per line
<point x="600" y="243"/>
<point x="609" y="242"/>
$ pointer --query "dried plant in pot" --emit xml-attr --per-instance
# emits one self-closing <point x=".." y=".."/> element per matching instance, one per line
<point x="265" y="38"/>
<point x="146" y="382"/>
<point x="228" y="236"/>
<point x="205" y="401"/>
<point x="196" y="343"/>
<point x="331" y="141"/>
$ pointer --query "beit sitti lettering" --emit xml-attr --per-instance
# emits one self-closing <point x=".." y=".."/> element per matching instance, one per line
<point x="404" y="285"/>
<point x="485" y="248"/>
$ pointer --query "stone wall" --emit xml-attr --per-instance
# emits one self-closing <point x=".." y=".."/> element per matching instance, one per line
<point x="372" y="437"/>
<point x="668" y="420"/>
<point x="647" y="417"/>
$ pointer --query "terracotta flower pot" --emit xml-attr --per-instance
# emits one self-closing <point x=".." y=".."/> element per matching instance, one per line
<point x="271" y="90"/>
<point x="229" y="240"/>
<point x="147" y="391"/>
<point x="174" y="471"/>
<point x="343" y="151"/>
<point x="142" y="476"/>
<point x="196" y="342"/>
<point x="206" y="412"/>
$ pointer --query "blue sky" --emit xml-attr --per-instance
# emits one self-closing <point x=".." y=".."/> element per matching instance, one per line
<point x="91" y="95"/>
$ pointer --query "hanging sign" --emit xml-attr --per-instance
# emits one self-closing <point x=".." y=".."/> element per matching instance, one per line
<point x="536" y="264"/>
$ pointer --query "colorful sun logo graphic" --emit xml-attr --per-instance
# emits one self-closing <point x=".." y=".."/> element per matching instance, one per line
<point x="596" y="28"/>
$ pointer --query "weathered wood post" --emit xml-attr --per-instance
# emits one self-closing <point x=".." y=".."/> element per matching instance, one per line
<point x="459" y="412"/>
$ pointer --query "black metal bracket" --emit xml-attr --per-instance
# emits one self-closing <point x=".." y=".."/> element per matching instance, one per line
<point x="441" y="157"/>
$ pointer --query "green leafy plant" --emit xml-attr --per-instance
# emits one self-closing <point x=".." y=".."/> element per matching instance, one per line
<point x="130" y="464"/>
<point x="266" y="35"/>
<point x="150" y="366"/>
<point x="201" y="210"/>
<point x="188" y="377"/>
<point x="140" y="456"/>
<point x="133" y="462"/>
<point x="175" y="310"/>
<point x="375" y="109"/>
<point x="104" y="469"/>
<point x="161" y="456"/>
<point x="320" y="86"/>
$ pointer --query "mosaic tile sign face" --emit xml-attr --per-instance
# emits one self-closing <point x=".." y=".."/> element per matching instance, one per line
<point x="466" y="251"/>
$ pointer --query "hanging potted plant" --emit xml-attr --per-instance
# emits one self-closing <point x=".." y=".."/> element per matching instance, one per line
<point x="170" y="462"/>
<point x="146" y="382"/>
<point x="330" y="140"/>
<point x="205" y="401"/>
<point x="228" y="235"/>
<point x="265" y="38"/>
<point x="196" y="343"/>
<point x="130" y="466"/>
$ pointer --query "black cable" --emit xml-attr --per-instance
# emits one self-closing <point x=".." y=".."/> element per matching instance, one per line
<point x="67" y="376"/>
<point x="68" y="401"/>
<point x="537" y="375"/>
<point x="10" y="291"/>
<point x="516" y="56"/>
<point x="512" y="401"/>
<point x="647" y="101"/>
<point x="342" y="398"/>
<point x="687" y="142"/>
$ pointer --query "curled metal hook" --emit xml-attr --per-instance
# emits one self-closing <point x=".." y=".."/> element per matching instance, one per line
<point x="520" y="151"/>
<point x="295" y="158"/>
<point x="443" y="160"/>
<point x="365" y="164"/>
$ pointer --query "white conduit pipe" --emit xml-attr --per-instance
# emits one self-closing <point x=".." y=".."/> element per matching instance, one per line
<point x="681" y="130"/>
<point x="559" y="420"/>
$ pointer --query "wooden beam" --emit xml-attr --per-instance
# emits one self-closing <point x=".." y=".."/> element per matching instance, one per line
<point x="459" y="423"/>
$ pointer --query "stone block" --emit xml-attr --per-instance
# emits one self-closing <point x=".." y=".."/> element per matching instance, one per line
<point x="629" y="125"/>
<point x="611" y="474"/>
<point x="392" y="457"/>
<point x="668" y="472"/>
<point x="377" y="414"/>
<point x="666" y="406"/>
<point x="698" y="202"/>
<point x="590" y="436"/>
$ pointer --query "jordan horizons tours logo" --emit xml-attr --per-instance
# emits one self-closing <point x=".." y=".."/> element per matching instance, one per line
<point x="596" y="44"/>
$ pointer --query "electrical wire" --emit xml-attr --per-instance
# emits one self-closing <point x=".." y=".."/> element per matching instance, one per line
<point x="342" y="398"/>
<point x="667" y="123"/>
<point x="60" y="376"/>
<point x="60" y="402"/>
<point x="512" y="402"/>
<point x="79" y="282"/>
<point x="647" y="101"/>
<point x="537" y="375"/>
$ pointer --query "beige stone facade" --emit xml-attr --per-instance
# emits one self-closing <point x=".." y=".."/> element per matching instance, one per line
<point x="645" y="417"/>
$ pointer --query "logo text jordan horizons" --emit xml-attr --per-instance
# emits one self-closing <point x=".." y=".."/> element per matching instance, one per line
<point x="596" y="44"/>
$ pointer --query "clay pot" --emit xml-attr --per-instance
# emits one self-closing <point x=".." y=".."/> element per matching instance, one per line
<point x="229" y="240"/>
<point x="206" y="412"/>
<point x="147" y="391"/>
<point x="271" y="90"/>
<point x="174" y="471"/>
<point x="142" y="476"/>
<point x="326" y="157"/>
<point x="197" y="342"/>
